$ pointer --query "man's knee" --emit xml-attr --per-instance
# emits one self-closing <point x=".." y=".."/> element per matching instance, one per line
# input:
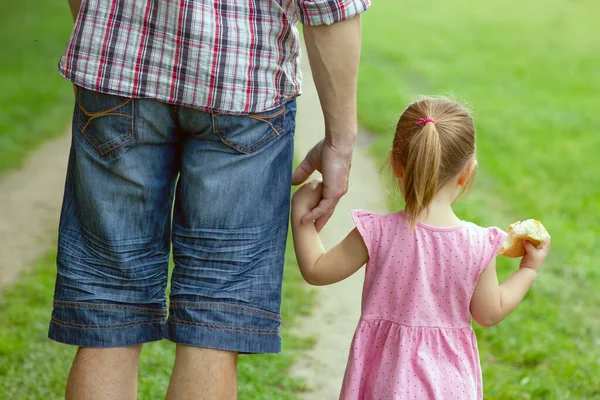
<point x="113" y="355"/>
<point x="206" y="356"/>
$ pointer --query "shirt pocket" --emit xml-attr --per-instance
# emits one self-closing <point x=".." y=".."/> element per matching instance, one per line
<point x="106" y="122"/>
<point x="248" y="133"/>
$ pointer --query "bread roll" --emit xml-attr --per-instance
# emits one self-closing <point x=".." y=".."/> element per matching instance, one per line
<point x="530" y="230"/>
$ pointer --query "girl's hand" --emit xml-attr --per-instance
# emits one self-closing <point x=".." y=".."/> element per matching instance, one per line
<point x="534" y="257"/>
<point x="307" y="197"/>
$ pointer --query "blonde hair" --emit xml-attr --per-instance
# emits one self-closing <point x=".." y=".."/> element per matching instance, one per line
<point x="434" y="141"/>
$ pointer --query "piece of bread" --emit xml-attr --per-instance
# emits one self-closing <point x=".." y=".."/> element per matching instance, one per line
<point x="530" y="230"/>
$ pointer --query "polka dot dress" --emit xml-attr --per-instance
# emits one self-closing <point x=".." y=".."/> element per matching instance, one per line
<point x="414" y="339"/>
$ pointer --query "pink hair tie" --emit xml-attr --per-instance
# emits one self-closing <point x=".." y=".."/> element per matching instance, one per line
<point x="423" y="121"/>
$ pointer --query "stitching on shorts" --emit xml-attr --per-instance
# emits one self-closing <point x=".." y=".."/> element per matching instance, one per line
<point x="95" y="306"/>
<point x="126" y="140"/>
<point x="266" y="121"/>
<point x="246" y="150"/>
<point x="118" y="142"/>
<point x="272" y="115"/>
<point x="242" y="231"/>
<point x="232" y="307"/>
<point x="107" y="111"/>
<point x="258" y="331"/>
<point x="106" y="326"/>
<point x="258" y="117"/>
<point x="83" y="129"/>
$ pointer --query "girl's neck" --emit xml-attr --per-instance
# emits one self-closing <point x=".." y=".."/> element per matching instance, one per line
<point x="439" y="215"/>
<point x="440" y="212"/>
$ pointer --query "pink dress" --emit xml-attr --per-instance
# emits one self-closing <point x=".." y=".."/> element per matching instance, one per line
<point x="414" y="339"/>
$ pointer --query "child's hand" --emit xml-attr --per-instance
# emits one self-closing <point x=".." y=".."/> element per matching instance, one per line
<point x="307" y="197"/>
<point x="534" y="257"/>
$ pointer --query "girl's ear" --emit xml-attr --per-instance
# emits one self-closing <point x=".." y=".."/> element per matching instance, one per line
<point x="398" y="170"/>
<point x="467" y="172"/>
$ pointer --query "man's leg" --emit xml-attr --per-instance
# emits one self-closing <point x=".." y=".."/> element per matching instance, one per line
<point x="99" y="374"/>
<point x="114" y="240"/>
<point x="203" y="374"/>
<point x="229" y="232"/>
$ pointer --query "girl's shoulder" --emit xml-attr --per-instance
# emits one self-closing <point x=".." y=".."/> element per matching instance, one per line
<point x="485" y="241"/>
<point x="377" y="221"/>
<point x="372" y="226"/>
<point x="492" y="233"/>
<point x="366" y="214"/>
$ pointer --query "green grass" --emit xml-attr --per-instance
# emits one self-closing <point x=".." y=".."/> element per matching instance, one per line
<point x="35" y="101"/>
<point x="531" y="72"/>
<point x="33" y="367"/>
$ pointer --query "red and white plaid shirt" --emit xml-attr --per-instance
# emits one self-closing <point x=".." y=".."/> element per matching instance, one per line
<point x="236" y="56"/>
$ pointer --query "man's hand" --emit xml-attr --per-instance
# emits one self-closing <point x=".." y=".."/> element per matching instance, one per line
<point x="334" y="165"/>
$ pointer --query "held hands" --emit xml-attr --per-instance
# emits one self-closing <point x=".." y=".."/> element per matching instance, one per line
<point x="307" y="198"/>
<point x="534" y="257"/>
<point x="334" y="165"/>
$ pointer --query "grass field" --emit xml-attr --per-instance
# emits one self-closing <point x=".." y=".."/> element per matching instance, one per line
<point x="530" y="70"/>
<point x="35" y="101"/>
<point x="34" y="368"/>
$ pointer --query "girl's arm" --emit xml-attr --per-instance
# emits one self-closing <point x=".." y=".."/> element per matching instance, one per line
<point x="492" y="302"/>
<point x="320" y="267"/>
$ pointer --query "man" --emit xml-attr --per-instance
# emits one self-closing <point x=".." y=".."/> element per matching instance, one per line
<point x="183" y="136"/>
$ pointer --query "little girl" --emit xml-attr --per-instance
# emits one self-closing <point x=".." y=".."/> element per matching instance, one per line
<point x="427" y="271"/>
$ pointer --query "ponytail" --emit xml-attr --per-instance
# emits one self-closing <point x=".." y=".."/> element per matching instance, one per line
<point x="421" y="171"/>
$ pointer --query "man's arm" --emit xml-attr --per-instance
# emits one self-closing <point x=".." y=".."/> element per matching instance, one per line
<point x="74" y="5"/>
<point x="334" y="53"/>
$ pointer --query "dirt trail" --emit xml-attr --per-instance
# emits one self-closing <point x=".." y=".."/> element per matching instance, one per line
<point x="335" y="318"/>
<point x="30" y="200"/>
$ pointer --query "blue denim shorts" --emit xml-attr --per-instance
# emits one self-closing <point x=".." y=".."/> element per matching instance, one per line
<point x="145" y="177"/>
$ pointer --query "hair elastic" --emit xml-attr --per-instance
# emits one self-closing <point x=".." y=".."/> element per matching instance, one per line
<point x="423" y="121"/>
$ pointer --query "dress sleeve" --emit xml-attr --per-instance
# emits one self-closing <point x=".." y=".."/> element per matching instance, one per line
<point x="365" y="222"/>
<point x="493" y="239"/>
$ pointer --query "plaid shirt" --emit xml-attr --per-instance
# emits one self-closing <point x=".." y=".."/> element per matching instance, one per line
<point x="235" y="57"/>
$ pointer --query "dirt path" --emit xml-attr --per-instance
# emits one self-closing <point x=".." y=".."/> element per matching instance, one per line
<point x="334" y="319"/>
<point x="30" y="200"/>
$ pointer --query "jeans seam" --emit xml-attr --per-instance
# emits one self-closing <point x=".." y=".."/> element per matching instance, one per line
<point x="91" y="306"/>
<point x="258" y="331"/>
<point x="218" y="230"/>
<point x="233" y="307"/>
<point x="247" y="150"/>
<point x="263" y="118"/>
<point x="124" y="141"/>
<point x="272" y="115"/>
<point x="83" y="129"/>
<point x="108" y="111"/>
<point x="107" y="326"/>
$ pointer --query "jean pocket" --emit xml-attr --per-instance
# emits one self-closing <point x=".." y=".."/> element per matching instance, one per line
<point x="106" y="121"/>
<point x="248" y="133"/>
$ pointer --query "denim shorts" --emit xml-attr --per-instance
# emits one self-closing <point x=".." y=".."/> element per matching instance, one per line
<point x="145" y="177"/>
